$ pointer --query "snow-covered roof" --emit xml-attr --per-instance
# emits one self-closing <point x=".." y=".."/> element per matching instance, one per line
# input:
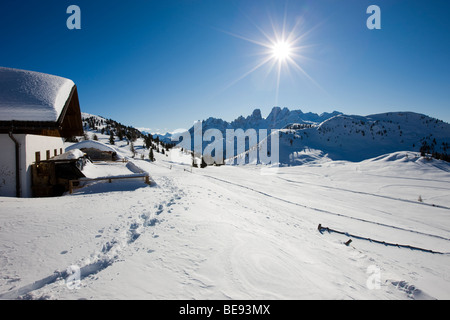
<point x="88" y="144"/>
<point x="70" y="155"/>
<point x="32" y="96"/>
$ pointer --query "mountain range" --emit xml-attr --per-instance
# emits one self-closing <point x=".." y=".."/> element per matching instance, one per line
<point x="309" y="136"/>
<point x="278" y="118"/>
<point x="305" y="137"/>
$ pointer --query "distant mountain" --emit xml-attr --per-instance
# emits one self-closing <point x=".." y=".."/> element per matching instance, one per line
<point x="306" y="137"/>
<point x="166" y="138"/>
<point x="310" y="137"/>
<point x="357" y="138"/>
<point x="277" y="119"/>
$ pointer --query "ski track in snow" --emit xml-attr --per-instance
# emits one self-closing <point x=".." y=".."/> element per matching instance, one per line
<point x="227" y="243"/>
<point x="368" y="194"/>
<point x="244" y="262"/>
<point x="333" y="213"/>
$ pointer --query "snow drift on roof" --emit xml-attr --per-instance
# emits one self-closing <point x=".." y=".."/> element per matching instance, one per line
<point x="87" y="144"/>
<point x="32" y="96"/>
<point x="70" y="155"/>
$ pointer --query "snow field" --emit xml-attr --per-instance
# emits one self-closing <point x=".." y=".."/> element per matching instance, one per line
<point x="234" y="232"/>
<point x="231" y="233"/>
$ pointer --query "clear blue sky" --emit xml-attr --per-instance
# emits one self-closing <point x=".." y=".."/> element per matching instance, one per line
<point x="163" y="64"/>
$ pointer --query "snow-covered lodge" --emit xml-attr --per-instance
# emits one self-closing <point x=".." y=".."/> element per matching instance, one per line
<point x="36" y="112"/>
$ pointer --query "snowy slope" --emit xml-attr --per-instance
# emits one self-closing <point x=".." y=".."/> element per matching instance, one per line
<point x="242" y="232"/>
<point x="357" y="138"/>
<point x="308" y="137"/>
<point x="232" y="233"/>
<point x="123" y="147"/>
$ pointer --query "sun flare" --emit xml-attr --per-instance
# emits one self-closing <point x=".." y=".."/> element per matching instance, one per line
<point x="281" y="50"/>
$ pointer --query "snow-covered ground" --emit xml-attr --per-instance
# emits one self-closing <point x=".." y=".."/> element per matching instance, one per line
<point x="236" y="232"/>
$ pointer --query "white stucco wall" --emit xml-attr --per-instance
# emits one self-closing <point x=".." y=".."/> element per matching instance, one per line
<point x="35" y="144"/>
<point x="29" y="145"/>
<point x="7" y="167"/>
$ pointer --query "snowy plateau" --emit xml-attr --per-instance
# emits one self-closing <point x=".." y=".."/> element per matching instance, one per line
<point x="248" y="231"/>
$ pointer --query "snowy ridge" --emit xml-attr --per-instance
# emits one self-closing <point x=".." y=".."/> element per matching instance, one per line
<point x="308" y="137"/>
<point x="277" y="119"/>
<point x="357" y="138"/>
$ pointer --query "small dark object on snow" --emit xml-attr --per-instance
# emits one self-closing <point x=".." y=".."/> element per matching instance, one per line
<point x="320" y="228"/>
<point x="348" y="242"/>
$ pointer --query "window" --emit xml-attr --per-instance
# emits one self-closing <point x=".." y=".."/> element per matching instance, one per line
<point x="55" y="152"/>
<point x="38" y="157"/>
<point x="48" y="154"/>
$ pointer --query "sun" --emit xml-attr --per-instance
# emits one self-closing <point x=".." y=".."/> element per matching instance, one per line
<point x="281" y="50"/>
